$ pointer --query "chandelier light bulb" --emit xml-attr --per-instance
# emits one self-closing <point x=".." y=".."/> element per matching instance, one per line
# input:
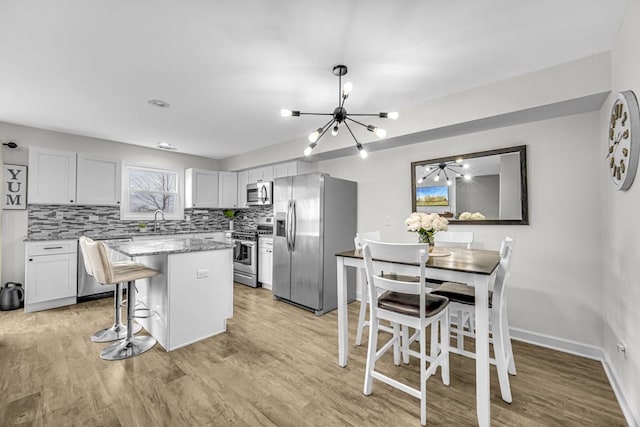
<point x="465" y="166"/>
<point x="285" y="113"/>
<point x="380" y="133"/>
<point x="467" y="177"/>
<point x="459" y="160"/>
<point x="334" y="131"/>
<point x="346" y="89"/>
<point x="313" y="136"/>
<point x="420" y="180"/>
<point x="309" y="149"/>
<point x="393" y="115"/>
<point x="437" y="178"/>
<point x="449" y="182"/>
<point x="363" y="152"/>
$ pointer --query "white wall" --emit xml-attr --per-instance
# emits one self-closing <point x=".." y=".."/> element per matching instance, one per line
<point x="14" y="223"/>
<point x="620" y="230"/>
<point x="555" y="289"/>
<point x="586" y="76"/>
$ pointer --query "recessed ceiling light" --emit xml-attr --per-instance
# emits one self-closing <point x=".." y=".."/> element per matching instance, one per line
<point x="158" y="103"/>
<point x="166" y="146"/>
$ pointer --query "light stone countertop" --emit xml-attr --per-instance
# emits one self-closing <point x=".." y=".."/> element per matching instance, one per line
<point x="175" y="245"/>
<point x="117" y="235"/>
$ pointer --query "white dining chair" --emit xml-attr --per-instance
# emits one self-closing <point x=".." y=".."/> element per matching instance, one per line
<point x="462" y="299"/>
<point x="406" y="304"/>
<point x="452" y="239"/>
<point x="364" y="292"/>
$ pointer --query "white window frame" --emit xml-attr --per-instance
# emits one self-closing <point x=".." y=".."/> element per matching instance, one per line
<point x="124" y="206"/>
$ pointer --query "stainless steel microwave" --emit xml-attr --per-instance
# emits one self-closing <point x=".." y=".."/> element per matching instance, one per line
<point x="260" y="193"/>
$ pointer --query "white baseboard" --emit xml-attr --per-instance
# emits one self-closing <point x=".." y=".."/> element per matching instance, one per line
<point x="555" y="343"/>
<point x="590" y="352"/>
<point x="628" y="409"/>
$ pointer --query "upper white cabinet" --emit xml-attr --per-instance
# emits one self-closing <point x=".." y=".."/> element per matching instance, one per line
<point x="52" y="176"/>
<point x="243" y="180"/>
<point x="290" y="169"/>
<point x="228" y="185"/>
<point x="264" y="173"/>
<point x="66" y="178"/>
<point x="98" y="180"/>
<point x="202" y="188"/>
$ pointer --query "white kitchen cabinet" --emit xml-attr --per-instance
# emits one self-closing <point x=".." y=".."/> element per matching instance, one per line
<point x="50" y="274"/>
<point x="98" y="180"/>
<point x="202" y="188"/>
<point x="290" y="169"/>
<point x="52" y="176"/>
<point x="264" y="173"/>
<point x="228" y="187"/>
<point x="243" y="180"/>
<point x="265" y="262"/>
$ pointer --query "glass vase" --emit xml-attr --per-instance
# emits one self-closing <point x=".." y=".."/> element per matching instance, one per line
<point x="426" y="238"/>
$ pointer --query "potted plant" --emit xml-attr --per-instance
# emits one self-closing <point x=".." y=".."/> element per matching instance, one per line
<point x="231" y="215"/>
<point x="142" y="227"/>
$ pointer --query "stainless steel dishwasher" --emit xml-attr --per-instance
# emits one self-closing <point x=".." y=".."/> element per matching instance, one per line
<point x="88" y="288"/>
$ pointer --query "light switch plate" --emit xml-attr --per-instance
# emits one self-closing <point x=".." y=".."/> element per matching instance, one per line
<point x="205" y="217"/>
<point x="187" y="217"/>
<point x="93" y="218"/>
<point x="59" y="215"/>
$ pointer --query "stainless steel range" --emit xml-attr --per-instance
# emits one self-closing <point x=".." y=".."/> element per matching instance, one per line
<point x="245" y="253"/>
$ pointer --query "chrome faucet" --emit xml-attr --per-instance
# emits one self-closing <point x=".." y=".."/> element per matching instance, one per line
<point x="155" y="219"/>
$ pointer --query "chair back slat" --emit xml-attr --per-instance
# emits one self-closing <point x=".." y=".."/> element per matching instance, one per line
<point x="397" y="252"/>
<point x="386" y="284"/>
<point x="358" y="241"/>
<point x="460" y="239"/>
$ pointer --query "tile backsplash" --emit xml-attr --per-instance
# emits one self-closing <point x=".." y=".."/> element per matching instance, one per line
<point x="79" y="220"/>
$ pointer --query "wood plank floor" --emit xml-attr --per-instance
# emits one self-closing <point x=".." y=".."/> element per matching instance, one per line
<point x="276" y="366"/>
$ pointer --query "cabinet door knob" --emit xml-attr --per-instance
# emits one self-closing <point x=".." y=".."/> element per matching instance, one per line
<point x="71" y="201"/>
<point x="30" y="259"/>
<point x="118" y="202"/>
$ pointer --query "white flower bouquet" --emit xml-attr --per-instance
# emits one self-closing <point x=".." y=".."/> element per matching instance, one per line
<point x="426" y="225"/>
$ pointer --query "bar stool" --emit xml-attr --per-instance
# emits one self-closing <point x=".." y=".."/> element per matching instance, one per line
<point x="407" y="304"/>
<point x="118" y="330"/>
<point x="462" y="298"/>
<point x="109" y="274"/>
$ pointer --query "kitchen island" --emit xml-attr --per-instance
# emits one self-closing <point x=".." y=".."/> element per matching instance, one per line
<point x="192" y="297"/>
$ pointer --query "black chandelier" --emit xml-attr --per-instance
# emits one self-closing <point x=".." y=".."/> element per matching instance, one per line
<point x="440" y="169"/>
<point x="340" y="116"/>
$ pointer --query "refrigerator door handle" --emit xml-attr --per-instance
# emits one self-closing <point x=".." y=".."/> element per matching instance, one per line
<point x="289" y="226"/>
<point x="293" y="225"/>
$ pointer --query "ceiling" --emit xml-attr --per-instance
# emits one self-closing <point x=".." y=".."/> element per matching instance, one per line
<point x="228" y="67"/>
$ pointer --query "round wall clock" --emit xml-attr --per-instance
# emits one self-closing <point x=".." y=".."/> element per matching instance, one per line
<point x="623" y="140"/>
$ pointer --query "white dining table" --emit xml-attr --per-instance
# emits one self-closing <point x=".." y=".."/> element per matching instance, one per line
<point x="474" y="267"/>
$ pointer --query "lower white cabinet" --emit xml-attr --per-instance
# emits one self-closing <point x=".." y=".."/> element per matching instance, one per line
<point x="50" y="274"/>
<point x="265" y="262"/>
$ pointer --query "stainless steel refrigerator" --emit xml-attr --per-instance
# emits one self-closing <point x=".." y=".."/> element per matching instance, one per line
<point x="316" y="217"/>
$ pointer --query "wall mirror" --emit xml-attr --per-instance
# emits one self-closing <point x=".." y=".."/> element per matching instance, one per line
<point x="492" y="183"/>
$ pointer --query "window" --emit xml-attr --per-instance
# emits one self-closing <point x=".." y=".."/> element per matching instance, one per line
<point x="148" y="189"/>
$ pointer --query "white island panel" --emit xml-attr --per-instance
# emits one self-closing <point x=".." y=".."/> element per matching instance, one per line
<point x="200" y="295"/>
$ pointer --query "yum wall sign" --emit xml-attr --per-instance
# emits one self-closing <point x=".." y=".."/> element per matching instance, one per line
<point x="14" y="187"/>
